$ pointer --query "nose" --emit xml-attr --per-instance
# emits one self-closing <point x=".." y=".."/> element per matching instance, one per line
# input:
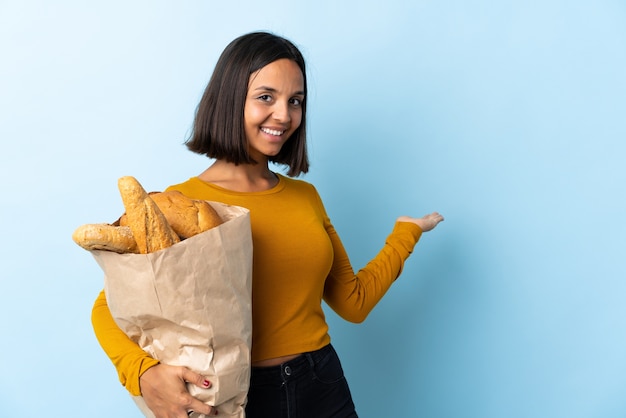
<point x="281" y="112"/>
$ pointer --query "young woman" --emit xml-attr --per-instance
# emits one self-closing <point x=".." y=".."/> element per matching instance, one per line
<point x="253" y="112"/>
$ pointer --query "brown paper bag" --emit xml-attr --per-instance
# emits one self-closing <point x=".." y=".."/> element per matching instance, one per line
<point x="190" y="305"/>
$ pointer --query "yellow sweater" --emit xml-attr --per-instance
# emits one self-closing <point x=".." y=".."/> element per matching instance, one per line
<point x="298" y="261"/>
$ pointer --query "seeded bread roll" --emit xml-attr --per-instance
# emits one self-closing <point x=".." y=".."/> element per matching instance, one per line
<point x="150" y="228"/>
<point x="105" y="237"/>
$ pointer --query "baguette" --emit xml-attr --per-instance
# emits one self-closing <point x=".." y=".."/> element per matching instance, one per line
<point x="105" y="237"/>
<point x="147" y="222"/>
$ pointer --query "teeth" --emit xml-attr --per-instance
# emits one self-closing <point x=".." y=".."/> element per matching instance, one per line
<point x="272" y="132"/>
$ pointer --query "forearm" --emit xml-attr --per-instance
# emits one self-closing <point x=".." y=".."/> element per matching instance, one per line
<point x="353" y="296"/>
<point x="128" y="358"/>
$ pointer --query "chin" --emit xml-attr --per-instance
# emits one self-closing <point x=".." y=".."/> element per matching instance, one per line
<point x="272" y="153"/>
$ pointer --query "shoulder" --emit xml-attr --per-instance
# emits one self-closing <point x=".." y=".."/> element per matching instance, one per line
<point x="302" y="191"/>
<point x="295" y="183"/>
<point x="190" y="188"/>
<point x="298" y="185"/>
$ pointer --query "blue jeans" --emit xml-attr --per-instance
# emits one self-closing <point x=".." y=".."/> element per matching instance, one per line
<point x="309" y="386"/>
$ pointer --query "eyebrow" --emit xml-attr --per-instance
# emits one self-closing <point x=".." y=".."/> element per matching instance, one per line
<point x="273" y="90"/>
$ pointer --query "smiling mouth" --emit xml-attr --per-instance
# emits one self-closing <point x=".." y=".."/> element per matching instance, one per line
<point x="272" y="132"/>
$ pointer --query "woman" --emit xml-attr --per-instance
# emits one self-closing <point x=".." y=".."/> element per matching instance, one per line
<point x="253" y="112"/>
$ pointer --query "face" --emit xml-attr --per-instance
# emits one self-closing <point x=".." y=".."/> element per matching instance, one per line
<point x="273" y="109"/>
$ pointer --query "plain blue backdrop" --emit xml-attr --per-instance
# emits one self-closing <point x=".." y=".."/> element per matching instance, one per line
<point x="507" y="117"/>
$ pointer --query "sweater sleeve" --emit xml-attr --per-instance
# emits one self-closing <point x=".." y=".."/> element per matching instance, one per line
<point x="127" y="357"/>
<point x="353" y="296"/>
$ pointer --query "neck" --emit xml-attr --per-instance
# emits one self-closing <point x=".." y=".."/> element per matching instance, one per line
<point x="240" y="178"/>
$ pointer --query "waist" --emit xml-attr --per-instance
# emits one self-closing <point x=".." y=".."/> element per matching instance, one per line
<point x="299" y="362"/>
<point x="275" y="361"/>
<point x="282" y="345"/>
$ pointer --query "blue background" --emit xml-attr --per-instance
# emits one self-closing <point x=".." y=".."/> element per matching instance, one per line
<point x="507" y="117"/>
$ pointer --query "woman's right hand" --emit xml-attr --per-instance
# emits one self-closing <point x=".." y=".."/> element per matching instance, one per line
<point x="164" y="390"/>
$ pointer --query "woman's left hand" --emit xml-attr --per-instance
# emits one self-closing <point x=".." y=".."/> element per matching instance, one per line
<point x="426" y="223"/>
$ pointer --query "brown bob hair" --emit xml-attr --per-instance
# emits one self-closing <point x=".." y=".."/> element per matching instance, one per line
<point x="218" y="129"/>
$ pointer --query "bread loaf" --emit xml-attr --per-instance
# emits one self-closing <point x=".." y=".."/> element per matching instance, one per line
<point x="187" y="217"/>
<point x="152" y="222"/>
<point x="105" y="237"/>
<point x="149" y="226"/>
<point x="207" y="216"/>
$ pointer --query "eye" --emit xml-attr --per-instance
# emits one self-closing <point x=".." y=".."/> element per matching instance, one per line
<point x="296" y="101"/>
<point x="265" y="98"/>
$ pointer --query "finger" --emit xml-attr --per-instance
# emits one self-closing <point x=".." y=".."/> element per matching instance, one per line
<point x="196" y="379"/>
<point x="196" y="405"/>
<point x="201" y="408"/>
<point x="437" y="216"/>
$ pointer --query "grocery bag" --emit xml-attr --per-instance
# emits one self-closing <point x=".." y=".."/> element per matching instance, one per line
<point x="190" y="305"/>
